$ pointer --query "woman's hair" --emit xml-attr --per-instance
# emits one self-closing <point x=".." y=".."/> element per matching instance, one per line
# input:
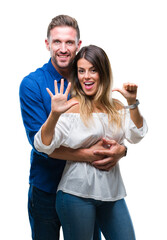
<point x="102" y="100"/>
<point x="63" y="20"/>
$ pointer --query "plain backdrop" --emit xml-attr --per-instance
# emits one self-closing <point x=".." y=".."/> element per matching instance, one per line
<point x="133" y="33"/>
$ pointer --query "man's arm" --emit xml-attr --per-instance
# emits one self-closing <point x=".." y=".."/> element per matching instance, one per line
<point x="34" y="116"/>
<point x="97" y="155"/>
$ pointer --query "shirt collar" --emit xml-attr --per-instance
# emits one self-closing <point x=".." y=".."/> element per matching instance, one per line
<point x="52" y="69"/>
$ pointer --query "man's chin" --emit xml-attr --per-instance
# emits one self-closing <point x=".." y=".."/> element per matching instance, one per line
<point x="61" y="64"/>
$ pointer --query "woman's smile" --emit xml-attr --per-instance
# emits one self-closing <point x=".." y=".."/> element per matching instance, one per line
<point x="88" y="77"/>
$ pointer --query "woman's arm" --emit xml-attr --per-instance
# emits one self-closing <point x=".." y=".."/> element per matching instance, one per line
<point x="59" y="105"/>
<point x="129" y="91"/>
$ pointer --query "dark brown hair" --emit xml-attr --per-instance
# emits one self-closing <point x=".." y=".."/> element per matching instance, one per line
<point x="102" y="100"/>
<point x="63" y="20"/>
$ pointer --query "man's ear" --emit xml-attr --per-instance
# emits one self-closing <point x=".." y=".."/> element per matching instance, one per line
<point x="79" y="45"/>
<point x="47" y="44"/>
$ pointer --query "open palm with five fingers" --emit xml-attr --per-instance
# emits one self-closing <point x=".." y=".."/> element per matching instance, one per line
<point x="59" y="102"/>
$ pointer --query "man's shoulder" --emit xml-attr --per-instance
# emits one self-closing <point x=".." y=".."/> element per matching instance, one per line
<point x="39" y="72"/>
<point x="35" y="77"/>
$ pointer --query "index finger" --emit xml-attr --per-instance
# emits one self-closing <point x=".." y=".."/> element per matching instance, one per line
<point x="103" y="162"/>
<point x="102" y="152"/>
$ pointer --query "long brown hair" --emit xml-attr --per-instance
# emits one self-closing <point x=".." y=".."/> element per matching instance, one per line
<point x="102" y="99"/>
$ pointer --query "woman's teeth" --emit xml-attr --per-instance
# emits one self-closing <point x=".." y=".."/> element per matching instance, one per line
<point x="88" y="83"/>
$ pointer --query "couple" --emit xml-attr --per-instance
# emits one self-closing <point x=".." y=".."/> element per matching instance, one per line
<point x="90" y="117"/>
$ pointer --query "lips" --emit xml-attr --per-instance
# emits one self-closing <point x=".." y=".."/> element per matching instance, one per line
<point x="63" y="57"/>
<point x="88" y="85"/>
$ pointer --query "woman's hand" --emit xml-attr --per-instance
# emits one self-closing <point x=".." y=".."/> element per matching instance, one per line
<point x="59" y="102"/>
<point x="129" y="91"/>
<point x="59" y="105"/>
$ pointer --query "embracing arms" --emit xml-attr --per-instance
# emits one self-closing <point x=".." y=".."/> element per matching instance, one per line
<point x="34" y="114"/>
<point x="59" y="104"/>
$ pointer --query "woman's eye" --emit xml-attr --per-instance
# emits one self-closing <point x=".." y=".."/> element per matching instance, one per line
<point x="81" y="71"/>
<point x="93" y="70"/>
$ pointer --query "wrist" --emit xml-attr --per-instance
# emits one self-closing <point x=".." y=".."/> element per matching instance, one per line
<point x="124" y="150"/>
<point x="131" y="101"/>
<point x="132" y="104"/>
<point x="54" y="117"/>
<point x="86" y="155"/>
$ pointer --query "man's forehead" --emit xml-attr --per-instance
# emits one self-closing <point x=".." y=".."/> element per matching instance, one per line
<point x="63" y="32"/>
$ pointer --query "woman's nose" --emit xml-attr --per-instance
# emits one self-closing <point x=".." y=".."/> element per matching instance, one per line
<point x="87" y="74"/>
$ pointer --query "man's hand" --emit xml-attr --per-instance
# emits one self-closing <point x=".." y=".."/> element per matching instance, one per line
<point x="103" y="155"/>
<point x="112" y="153"/>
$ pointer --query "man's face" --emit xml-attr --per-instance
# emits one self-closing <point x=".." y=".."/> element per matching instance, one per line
<point x="63" y="45"/>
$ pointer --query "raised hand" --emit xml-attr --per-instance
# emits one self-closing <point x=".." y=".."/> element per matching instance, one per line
<point x="129" y="91"/>
<point x="59" y="102"/>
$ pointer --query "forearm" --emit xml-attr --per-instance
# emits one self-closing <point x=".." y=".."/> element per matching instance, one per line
<point x="48" y="128"/>
<point x="135" y="115"/>
<point x="76" y="155"/>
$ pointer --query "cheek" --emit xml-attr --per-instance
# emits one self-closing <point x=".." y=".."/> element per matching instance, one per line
<point x="73" y="51"/>
<point x="79" y="78"/>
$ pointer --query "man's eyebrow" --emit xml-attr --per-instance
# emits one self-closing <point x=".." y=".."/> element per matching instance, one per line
<point x="70" y="40"/>
<point x="55" y="39"/>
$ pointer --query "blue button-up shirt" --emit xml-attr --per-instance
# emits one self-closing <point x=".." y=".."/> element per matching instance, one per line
<point x="35" y="102"/>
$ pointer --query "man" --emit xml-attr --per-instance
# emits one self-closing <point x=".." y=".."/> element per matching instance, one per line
<point x="63" y="41"/>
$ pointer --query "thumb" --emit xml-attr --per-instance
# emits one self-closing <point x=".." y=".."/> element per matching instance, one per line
<point x="108" y="142"/>
<point x="72" y="103"/>
<point x="117" y="90"/>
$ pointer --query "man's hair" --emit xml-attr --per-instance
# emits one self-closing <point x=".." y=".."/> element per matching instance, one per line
<point x="63" y="20"/>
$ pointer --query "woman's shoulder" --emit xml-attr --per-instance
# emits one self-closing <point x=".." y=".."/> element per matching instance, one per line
<point x="118" y="104"/>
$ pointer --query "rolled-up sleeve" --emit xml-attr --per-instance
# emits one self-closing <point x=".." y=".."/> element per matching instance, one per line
<point x="61" y="133"/>
<point x="132" y="133"/>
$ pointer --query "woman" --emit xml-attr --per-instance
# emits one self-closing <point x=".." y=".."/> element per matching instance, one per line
<point x="86" y="193"/>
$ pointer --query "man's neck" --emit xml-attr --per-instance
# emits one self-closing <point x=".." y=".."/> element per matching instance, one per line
<point x="63" y="72"/>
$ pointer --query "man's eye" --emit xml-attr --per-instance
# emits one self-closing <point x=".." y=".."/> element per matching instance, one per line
<point x="56" y="41"/>
<point x="70" y="43"/>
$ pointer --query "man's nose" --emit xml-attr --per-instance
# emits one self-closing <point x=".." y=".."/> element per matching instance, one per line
<point x="63" y="48"/>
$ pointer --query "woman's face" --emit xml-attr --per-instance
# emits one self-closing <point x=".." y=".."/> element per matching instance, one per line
<point x="88" y="77"/>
